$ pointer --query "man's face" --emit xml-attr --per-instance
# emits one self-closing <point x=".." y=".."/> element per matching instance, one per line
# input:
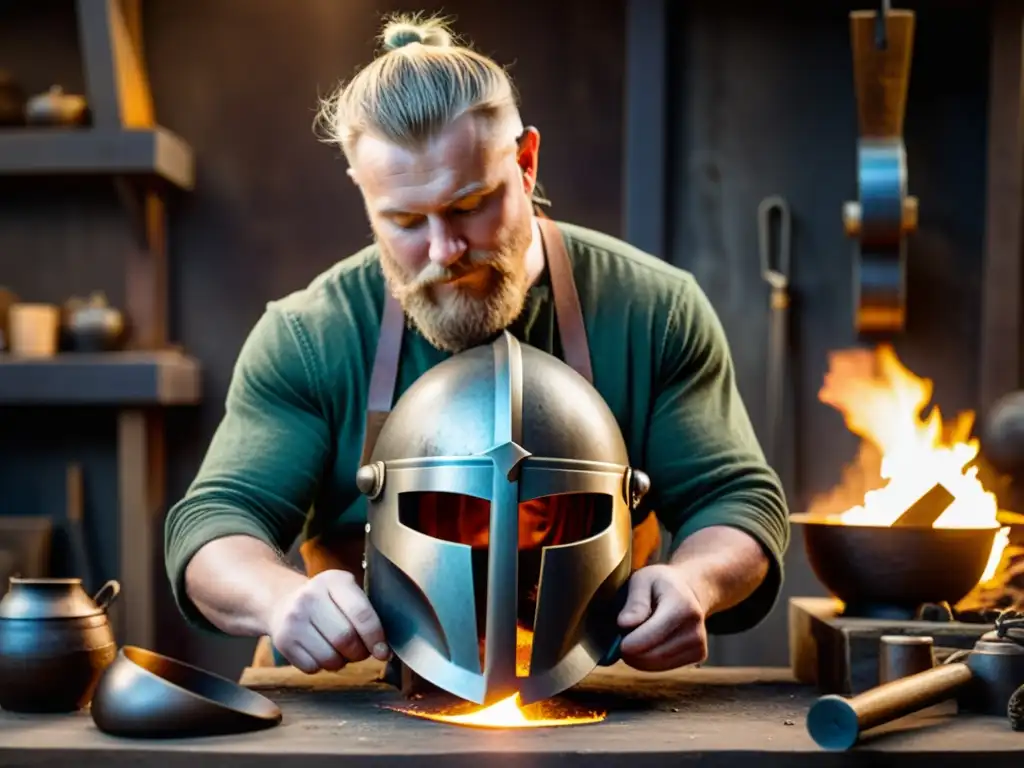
<point x="453" y="222"/>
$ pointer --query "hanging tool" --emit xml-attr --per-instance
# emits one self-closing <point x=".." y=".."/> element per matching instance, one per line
<point x="884" y="214"/>
<point x="775" y="260"/>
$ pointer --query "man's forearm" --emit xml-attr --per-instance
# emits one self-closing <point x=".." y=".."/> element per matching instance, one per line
<point x="235" y="581"/>
<point x="722" y="564"/>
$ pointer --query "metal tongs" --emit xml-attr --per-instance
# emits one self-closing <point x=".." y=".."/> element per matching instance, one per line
<point x="775" y="258"/>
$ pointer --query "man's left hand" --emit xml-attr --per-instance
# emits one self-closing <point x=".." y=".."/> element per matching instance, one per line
<point x="663" y="621"/>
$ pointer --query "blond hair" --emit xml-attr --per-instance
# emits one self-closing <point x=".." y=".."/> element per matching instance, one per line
<point x="421" y="82"/>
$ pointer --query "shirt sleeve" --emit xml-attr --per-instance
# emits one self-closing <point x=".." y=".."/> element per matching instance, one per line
<point x="703" y="457"/>
<point x="265" y="461"/>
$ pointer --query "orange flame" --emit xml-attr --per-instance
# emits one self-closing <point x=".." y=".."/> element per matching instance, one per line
<point x="509" y="712"/>
<point x="903" y="456"/>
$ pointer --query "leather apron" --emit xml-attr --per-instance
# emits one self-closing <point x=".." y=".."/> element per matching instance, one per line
<point x="343" y="547"/>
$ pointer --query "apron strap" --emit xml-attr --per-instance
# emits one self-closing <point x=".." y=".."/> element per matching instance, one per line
<point x="568" y="312"/>
<point x="385" y="372"/>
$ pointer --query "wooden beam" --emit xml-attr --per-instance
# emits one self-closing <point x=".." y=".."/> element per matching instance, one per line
<point x="146" y="153"/>
<point x="646" y="173"/>
<point x="1002" y="334"/>
<point x="132" y="11"/>
<point x="112" y="378"/>
<point x="141" y="497"/>
<point x="117" y="86"/>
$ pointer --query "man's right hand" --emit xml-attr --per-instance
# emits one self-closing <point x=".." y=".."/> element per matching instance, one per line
<point x="327" y="623"/>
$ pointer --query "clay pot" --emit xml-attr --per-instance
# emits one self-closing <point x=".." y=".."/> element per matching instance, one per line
<point x="55" y="642"/>
<point x="92" y="325"/>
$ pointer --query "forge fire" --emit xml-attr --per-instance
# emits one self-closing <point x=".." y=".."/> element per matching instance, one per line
<point x="905" y="453"/>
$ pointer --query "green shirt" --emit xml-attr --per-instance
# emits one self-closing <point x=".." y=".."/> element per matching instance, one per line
<point x="283" y="460"/>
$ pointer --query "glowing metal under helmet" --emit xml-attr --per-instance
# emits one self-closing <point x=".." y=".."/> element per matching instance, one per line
<point x="504" y="423"/>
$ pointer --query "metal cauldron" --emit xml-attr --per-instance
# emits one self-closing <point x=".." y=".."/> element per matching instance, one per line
<point x="55" y="642"/>
<point x="889" y="572"/>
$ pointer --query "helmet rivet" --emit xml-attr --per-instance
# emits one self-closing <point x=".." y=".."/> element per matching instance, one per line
<point x="639" y="485"/>
<point x="370" y="480"/>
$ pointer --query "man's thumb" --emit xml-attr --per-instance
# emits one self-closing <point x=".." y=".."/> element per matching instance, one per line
<point x="638" y="601"/>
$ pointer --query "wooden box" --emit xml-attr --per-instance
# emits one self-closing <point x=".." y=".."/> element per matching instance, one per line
<point x="840" y="655"/>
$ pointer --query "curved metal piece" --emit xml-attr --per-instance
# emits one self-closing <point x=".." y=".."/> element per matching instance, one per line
<point x="880" y="266"/>
<point x="143" y="694"/>
<point x="572" y="576"/>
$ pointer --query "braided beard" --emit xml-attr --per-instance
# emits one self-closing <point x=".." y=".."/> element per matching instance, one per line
<point x="460" y="319"/>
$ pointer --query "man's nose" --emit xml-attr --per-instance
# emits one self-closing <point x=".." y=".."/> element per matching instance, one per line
<point x="446" y="245"/>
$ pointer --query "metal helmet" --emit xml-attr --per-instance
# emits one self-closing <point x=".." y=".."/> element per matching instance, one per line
<point x="500" y="424"/>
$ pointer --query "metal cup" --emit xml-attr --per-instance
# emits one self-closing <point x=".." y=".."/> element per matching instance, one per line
<point x="903" y="655"/>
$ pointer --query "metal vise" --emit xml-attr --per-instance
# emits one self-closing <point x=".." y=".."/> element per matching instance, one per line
<point x="885" y="214"/>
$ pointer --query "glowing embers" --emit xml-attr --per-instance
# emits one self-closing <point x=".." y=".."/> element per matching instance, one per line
<point x="507" y="713"/>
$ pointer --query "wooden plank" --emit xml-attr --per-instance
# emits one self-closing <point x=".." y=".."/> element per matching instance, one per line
<point x="368" y="673"/>
<point x="114" y="378"/>
<point x="803" y="651"/>
<point x="1003" y="277"/>
<point x="646" y="163"/>
<point x="146" y="265"/>
<point x="154" y="152"/>
<point x="141" y="497"/>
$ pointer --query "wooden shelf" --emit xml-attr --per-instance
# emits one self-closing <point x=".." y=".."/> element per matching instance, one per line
<point x="154" y="152"/>
<point x="114" y="378"/>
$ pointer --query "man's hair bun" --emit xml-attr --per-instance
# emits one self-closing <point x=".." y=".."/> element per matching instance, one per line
<point x="400" y="32"/>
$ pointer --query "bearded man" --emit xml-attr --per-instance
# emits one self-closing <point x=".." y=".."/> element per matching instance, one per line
<point x="435" y="143"/>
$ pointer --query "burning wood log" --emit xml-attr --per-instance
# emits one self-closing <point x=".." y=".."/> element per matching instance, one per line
<point x="926" y="510"/>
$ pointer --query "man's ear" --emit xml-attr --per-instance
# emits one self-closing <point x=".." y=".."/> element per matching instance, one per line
<point x="528" y="157"/>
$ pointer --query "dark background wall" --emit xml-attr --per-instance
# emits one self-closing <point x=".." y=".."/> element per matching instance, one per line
<point x="760" y="103"/>
<point x="763" y="103"/>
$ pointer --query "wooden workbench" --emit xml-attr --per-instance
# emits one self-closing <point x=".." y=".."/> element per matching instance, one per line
<point x="725" y="716"/>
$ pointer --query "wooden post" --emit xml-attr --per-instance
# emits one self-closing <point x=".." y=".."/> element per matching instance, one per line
<point x="1003" y="278"/>
<point x="141" y="498"/>
<point x="120" y="99"/>
<point x="646" y="172"/>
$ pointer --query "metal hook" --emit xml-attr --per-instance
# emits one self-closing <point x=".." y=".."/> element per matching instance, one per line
<point x="774" y="271"/>
<point x="881" y="33"/>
